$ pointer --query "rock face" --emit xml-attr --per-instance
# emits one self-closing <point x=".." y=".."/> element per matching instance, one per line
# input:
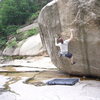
<point x="84" y="17"/>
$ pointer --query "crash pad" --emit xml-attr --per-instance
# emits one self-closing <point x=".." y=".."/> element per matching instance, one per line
<point x="64" y="81"/>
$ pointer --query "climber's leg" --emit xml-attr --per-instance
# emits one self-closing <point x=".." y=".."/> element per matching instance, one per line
<point x="72" y="60"/>
<point x="70" y="56"/>
<point x="60" y="54"/>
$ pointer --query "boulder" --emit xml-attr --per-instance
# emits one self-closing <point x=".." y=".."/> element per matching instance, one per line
<point x="32" y="46"/>
<point x="11" y="45"/>
<point x="57" y="17"/>
<point x="8" y="51"/>
<point x="17" y="49"/>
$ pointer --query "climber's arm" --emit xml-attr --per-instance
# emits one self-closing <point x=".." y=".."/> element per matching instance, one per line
<point x="56" y="44"/>
<point x="71" y="35"/>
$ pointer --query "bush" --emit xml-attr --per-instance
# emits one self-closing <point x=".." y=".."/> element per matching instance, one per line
<point x="11" y="29"/>
<point x="32" y="32"/>
<point x="12" y="43"/>
<point x="24" y="35"/>
<point x="33" y="17"/>
<point x="2" y="41"/>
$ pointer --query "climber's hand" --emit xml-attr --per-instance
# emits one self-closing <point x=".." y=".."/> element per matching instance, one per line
<point x="71" y="30"/>
<point x="59" y="37"/>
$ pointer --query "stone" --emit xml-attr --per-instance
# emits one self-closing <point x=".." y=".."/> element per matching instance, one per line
<point x="32" y="46"/>
<point x="57" y="17"/>
<point x="17" y="49"/>
<point x="11" y="45"/>
<point x="8" y="51"/>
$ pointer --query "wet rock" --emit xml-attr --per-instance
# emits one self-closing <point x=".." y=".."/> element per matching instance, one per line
<point x="83" y="16"/>
<point x="38" y="77"/>
<point x="16" y="86"/>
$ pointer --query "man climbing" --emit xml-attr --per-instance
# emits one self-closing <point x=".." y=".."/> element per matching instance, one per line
<point x="63" y="44"/>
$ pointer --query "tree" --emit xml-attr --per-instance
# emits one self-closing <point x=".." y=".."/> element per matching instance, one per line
<point x="16" y="12"/>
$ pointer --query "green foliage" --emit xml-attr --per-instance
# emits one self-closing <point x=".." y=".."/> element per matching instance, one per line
<point x="32" y="32"/>
<point x="12" y="43"/>
<point x="11" y="29"/>
<point x="1" y="29"/>
<point x="25" y="35"/>
<point x="2" y="41"/>
<point x="17" y="12"/>
<point x="14" y="13"/>
<point x="33" y="17"/>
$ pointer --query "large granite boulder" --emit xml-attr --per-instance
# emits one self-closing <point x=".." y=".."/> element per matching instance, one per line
<point x="84" y="17"/>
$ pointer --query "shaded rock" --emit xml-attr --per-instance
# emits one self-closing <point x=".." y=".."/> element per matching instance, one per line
<point x="84" y="17"/>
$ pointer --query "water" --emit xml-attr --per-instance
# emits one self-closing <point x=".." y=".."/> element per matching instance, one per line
<point x="19" y="83"/>
<point x="26" y="83"/>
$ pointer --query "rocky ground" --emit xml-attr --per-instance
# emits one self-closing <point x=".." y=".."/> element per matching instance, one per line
<point x="25" y="79"/>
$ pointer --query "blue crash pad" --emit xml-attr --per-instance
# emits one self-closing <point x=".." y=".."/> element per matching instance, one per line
<point x="67" y="81"/>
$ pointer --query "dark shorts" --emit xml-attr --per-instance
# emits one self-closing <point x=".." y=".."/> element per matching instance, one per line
<point x="68" y="54"/>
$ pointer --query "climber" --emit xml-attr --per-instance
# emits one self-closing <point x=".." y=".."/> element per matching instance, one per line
<point x="63" y="44"/>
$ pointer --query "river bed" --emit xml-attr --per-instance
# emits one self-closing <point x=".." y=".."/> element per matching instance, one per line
<point x="25" y="80"/>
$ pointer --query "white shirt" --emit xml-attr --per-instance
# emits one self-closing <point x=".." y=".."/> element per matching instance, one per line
<point x="64" y="46"/>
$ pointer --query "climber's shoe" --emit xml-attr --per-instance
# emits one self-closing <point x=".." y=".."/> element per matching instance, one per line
<point x="73" y="63"/>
